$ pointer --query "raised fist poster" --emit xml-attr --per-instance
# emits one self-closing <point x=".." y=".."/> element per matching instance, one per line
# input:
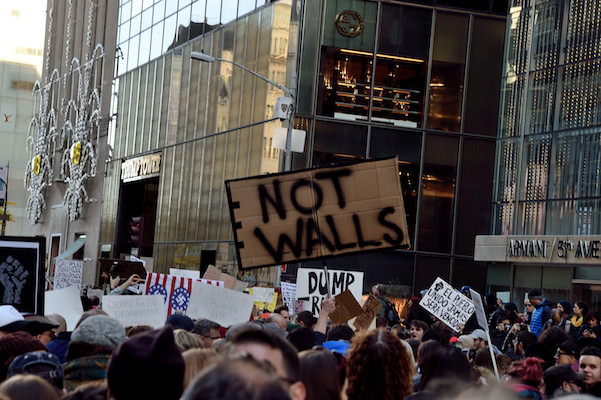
<point x="22" y="273"/>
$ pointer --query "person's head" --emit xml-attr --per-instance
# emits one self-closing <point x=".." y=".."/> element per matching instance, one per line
<point x="284" y="311"/>
<point x="503" y="363"/>
<point x="580" y="308"/>
<point x="554" y="336"/>
<point x="535" y="296"/>
<point x="562" y="377"/>
<point x="180" y="321"/>
<point x="379" y="367"/>
<point x="567" y="353"/>
<point x="278" y="319"/>
<point x="340" y="332"/>
<point x="592" y="318"/>
<point x="15" y="344"/>
<point x="305" y="318"/>
<point x="319" y="373"/>
<point x="58" y="319"/>
<point x="564" y="307"/>
<point x="88" y="314"/>
<point x="28" y="387"/>
<point x="186" y="340"/>
<point x="466" y="342"/>
<point x="98" y="334"/>
<point x="528" y="371"/>
<point x="208" y="331"/>
<point x="448" y="368"/>
<point x="242" y="377"/>
<point x="590" y="364"/>
<point x="302" y="338"/>
<point x="134" y="330"/>
<point x="380" y="290"/>
<point x="511" y="310"/>
<point x="266" y="346"/>
<point x="196" y="360"/>
<point x="417" y="329"/>
<point x="426" y="351"/>
<point x="147" y="357"/>
<point x="444" y="332"/>
<point x="480" y="339"/>
<point x="522" y="340"/>
<point x="45" y="365"/>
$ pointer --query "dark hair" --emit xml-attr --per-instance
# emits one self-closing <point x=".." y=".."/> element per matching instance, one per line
<point x="419" y="324"/>
<point x="306" y="318"/>
<point x="483" y="359"/>
<point x="319" y="373"/>
<point x="426" y="351"/>
<point x="266" y="338"/>
<point x="242" y="377"/>
<point x="203" y="327"/>
<point x="86" y="303"/>
<point x="380" y="287"/>
<point x="449" y="364"/>
<point x="445" y="333"/>
<point x="302" y="338"/>
<point x="590" y="351"/>
<point x="379" y="367"/>
<point x="525" y="338"/>
<point x="340" y="332"/>
<point x="95" y="300"/>
<point x="134" y="330"/>
<point x="381" y="322"/>
<point x="554" y="336"/>
<point x="592" y="314"/>
<point x="583" y="305"/>
<point x="281" y="308"/>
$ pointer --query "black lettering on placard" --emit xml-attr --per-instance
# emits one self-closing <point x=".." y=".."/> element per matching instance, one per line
<point x="316" y="190"/>
<point x="276" y="203"/>
<point x="315" y="238"/>
<point x="350" y="278"/>
<point x="338" y="282"/>
<point x="312" y="282"/>
<point x="362" y="242"/>
<point x="283" y="240"/>
<point x="318" y="282"/>
<point x="334" y="176"/>
<point x="382" y="220"/>
<point x="337" y="242"/>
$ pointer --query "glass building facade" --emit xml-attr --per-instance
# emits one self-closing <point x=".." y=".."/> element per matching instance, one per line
<point x="548" y="175"/>
<point x="416" y="80"/>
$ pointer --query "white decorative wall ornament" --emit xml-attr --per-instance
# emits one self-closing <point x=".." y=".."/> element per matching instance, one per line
<point x="79" y="124"/>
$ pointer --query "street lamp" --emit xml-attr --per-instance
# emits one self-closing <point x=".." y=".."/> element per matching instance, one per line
<point x="197" y="55"/>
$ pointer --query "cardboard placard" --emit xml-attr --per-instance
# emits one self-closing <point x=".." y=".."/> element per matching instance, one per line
<point x="22" y="273"/>
<point x="135" y="310"/>
<point x="224" y="306"/>
<point x="346" y="308"/>
<point x="311" y="285"/>
<point x="68" y="273"/>
<point x="370" y="311"/>
<point x="301" y="215"/>
<point x="447" y="304"/>
<point x="212" y="273"/>
<point x="65" y="302"/>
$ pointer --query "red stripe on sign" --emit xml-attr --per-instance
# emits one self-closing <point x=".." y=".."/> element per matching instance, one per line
<point x="148" y="280"/>
<point x="170" y="293"/>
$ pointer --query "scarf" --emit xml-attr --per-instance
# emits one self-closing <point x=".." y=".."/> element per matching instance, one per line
<point x="577" y="321"/>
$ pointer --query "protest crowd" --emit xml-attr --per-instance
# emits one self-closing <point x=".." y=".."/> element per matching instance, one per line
<point x="550" y="350"/>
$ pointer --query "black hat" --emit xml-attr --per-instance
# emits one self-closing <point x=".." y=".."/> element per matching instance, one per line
<point x="147" y="357"/>
<point x="555" y="377"/>
<point x="534" y="293"/>
<point x="570" y="347"/>
<point x="180" y="321"/>
<point x="42" y="364"/>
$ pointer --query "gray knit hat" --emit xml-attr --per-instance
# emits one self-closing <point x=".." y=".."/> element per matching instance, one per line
<point x="100" y="330"/>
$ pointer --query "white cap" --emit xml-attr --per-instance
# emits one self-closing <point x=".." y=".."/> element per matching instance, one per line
<point x="8" y="315"/>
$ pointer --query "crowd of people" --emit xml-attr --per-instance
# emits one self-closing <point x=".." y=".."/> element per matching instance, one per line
<point x="549" y="350"/>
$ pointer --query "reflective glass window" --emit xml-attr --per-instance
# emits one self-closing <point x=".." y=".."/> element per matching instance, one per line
<point x="213" y="12"/>
<point x="170" y="32"/>
<point x="170" y="7"/>
<point x="136" y="7"/>
<point x="146" y="19"/>
<point x="144" y="46"/>
<point x="438" y="193"/>
<point x="245" y="6"/>
<point x="405" y="31"/>
<point x="350" y="24"/>
<point x="132" y="56"/>
<point x="198" y="11"/>
<point x="135" y="25"/>
<point x="229" y="9"/>
<point x="156" y="45"/>
<point x="469" y="272"/>
<point x="335" y="143"/>
<point x="183" y="25"/>
<point x="448" y="66"/>
<point x="125" y="12"/>
<point x="158" y="12"/>
<point x="436" y="267"/>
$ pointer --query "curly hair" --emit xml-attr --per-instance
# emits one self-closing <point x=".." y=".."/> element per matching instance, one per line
<point x="378" y="368"/>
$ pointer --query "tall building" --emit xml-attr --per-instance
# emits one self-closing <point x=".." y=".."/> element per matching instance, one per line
<point x="546" y="229"/>
<point x="20" y="67"/>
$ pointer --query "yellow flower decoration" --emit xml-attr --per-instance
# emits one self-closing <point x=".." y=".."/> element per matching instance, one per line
<point x="36" y="163"/>
<point x="76" y="152"/>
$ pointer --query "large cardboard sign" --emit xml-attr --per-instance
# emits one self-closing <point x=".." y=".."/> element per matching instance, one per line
<point x="68" y="273"/>
<point x="224" y="306"/>
<point x="370" y="311"/>
<point x="312" y="285"/>
<point x="135" y="310"/>
<point x="65" y="302"/>
<point x="314" y="213"/>
<point x="347" y="307"/>
<point x="447" y="304"/>
<point x="22" y="273"/>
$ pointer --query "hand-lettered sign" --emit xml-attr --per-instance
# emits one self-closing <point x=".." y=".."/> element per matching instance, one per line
<point x="136" y="310"/>
<point x="312" y="286"/>
<point x="313" y="213"/>
<point x="447" y="304"/>
<point x="68" y="273"/>
<point x="370" y="310"/>
<point x="224" y="306"/>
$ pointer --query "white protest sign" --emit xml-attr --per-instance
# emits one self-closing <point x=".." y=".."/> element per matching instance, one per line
<point x="262" y="294"/>
<point x="289" y="294"/>
<point x="134" y="258"/>
<point x="65" y="302"/>
<point x="312" y="285"/>
<point x="188" y="273"/>
<point x="136" y="310"/>
<point x="480" y="314"/>
<point x="68" y="273"/>
<point x="224" y="306"/>
<point x="447" y="304"/>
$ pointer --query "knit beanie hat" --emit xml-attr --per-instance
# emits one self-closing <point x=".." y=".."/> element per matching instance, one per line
<point x="100" y="330"/>
<point x="151" y="357"/>
<point x="567" y="306"/>
<point x="15" y="344"/>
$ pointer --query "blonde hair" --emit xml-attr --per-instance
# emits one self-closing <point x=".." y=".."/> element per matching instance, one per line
<point x="186" y="340"/>
<point x="196" y="360"/>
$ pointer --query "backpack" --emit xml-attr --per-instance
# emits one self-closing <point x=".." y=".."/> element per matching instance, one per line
<point x="391" y="314"/>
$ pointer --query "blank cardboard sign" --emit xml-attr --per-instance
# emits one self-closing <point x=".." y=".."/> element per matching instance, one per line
<point x="315" y="213"/>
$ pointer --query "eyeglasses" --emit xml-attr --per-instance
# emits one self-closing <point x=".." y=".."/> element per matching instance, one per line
<point x="561" y="353"/>
<point x="527" y="305"/>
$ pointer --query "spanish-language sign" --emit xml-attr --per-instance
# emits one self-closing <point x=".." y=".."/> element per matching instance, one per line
<point x="370" y="310"/>
<point x="68" y="273"/>
<point x="447" y="304"/>
<point x="67" y="303"/>
<point x="135" y="310"/>
<point x="312" y="285"/>
<point x="224" y="306"/>
<point x="280" y="218"/>
<point x="22" y="273"/>
<point x="347" y="307"/>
